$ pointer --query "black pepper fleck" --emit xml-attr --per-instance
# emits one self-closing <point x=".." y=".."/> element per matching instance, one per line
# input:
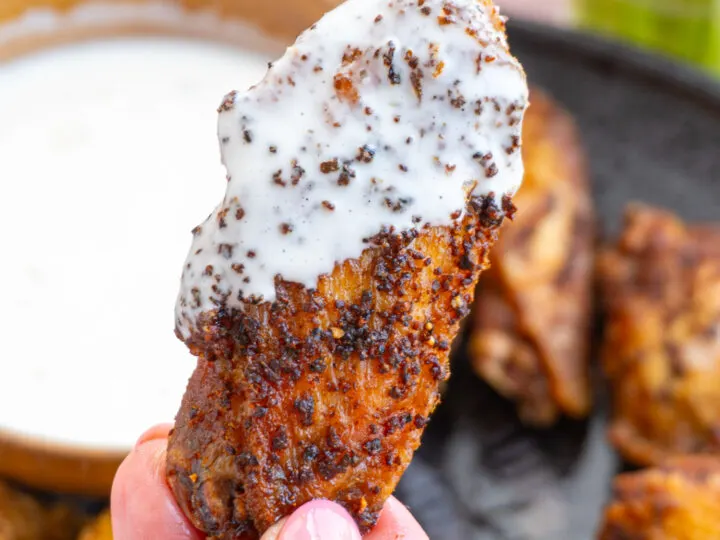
<point x="373" y="446"/>
<point x="311" y="452"/>
<point x="297" y="173"/>
<point x="365" y="154"/>
<point x="305" y="405"/>
<point x="226" y="250"/>
<point x="277" y="179"/>
<point x="388" y="59"/>
<point x="280" y="440"/>
<point x="346" y="175"/>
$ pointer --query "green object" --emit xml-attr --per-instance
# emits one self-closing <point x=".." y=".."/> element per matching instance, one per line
<point x="686" y="29"/>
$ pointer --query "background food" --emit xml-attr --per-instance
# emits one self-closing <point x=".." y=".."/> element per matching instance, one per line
<point x="530" y="327"/>
<point x="22" y="517"/>
<point x="99" y="529"/>
<point x="661" y="353"/>
<point x="678" y="501"/>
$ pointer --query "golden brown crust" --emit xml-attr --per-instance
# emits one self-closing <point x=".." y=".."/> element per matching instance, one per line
<point x="679" y="501"/>
<point x="99" y="529"/>
<point x="325" y="393"/>
<point x="531" y="320"/>
<point x="662" y="341"/>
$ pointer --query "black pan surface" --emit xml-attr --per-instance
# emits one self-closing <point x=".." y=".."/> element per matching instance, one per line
<point x="652" y="132"/>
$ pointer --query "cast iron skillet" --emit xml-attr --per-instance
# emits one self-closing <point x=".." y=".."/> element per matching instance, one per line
<point x="652" y="133"/>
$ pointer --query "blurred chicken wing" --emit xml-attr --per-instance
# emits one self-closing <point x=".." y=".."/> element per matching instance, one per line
<point x="99" y="529"/>
<point x="530" y="328"/>
<point x="22" y="517"/>
<point x="661" y="352"/>
<point x="678" y="501"/>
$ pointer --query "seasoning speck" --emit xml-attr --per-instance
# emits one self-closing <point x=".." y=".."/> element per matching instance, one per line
<point x="337" y="333"/>
<point x="365" y="154"/>
<point x="330" y="166"/>
<point x="319" y="153"/>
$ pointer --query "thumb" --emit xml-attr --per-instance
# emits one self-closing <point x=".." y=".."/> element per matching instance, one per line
<point x="316" y="520"/>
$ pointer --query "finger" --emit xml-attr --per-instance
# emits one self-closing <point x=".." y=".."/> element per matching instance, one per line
<point x="273" y="533"/>
<point x="316" y="520"/>
<point x="142" y="505"/>
<point x="161" y="431"/>
<point x="395" y="523"/>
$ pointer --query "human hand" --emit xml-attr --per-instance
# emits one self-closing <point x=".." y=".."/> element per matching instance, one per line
<point x="143" y="508"/>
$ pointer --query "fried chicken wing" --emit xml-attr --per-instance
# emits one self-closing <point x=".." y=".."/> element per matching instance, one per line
<point x="99" y="529"/>
<point x="529" y="335"/>
<point x="322" y="296"/>
<point x="325" y="394"/>
<point x="662" y="342"/>
<point x="678" y="501"/>
<point x="22" y="517"/>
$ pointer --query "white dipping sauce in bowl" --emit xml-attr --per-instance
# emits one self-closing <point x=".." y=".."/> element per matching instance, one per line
<point x="108" y="159"/>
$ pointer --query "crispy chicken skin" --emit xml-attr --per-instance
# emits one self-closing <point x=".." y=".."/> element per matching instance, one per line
<point x="24" y="518"/>
<point x="325" y="394"/>
<point x="530" y="326"/>
<point x="99" y="529"/>
<point x="678" y="501"/>
<point x="662" y="343"/>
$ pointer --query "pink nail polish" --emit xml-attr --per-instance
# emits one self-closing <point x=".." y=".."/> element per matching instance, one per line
<point x="320" y="520"/>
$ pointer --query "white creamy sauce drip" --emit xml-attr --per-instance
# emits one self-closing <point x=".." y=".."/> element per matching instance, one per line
<point x="106" y="148"/>
<point x="384" y="114"/>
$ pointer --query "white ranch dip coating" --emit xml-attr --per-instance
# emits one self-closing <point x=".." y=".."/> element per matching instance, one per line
<point x="383" y="114"/>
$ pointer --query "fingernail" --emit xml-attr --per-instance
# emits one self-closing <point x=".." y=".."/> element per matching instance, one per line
<point x="320" y="520"/>
<point x="273" y="533"/>
<point x="157" y="432"/>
